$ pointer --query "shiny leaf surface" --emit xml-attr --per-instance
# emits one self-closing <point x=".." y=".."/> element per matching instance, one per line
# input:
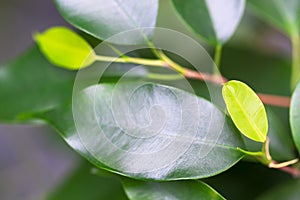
<point x="103" y="19"/>
<point x="148" y="131"/>
<point x="214" y="20"/>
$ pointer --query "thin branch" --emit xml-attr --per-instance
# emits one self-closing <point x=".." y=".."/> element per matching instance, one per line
<point x="275" y="100"/>
<point x="268" y="99"/>
<point x="290" y="170"/>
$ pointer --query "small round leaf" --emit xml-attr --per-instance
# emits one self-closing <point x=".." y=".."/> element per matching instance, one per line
<point x="65" y="48"/>
<point x="246" y="110"/>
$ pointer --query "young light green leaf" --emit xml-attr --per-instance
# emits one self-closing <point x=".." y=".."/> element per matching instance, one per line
<point x="65" y="48"/>
<point x="295" y="116"/>
<point x="214" y="20"/>
<point x="246" y="110"/>
<point x="148" y="132"/>
<point x="283" y="14"/>
<point x="103" y="18"/>
<point x="177" y="190"/>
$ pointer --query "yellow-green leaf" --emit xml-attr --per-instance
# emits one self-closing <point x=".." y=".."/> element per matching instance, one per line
<point x="246" y="110"/>
<point x="65" y="48"/>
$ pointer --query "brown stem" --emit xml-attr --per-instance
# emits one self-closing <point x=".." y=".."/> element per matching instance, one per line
<point x="273" y="100"/>
<point x="205" y="77"/>
<point x="290" y="170"/>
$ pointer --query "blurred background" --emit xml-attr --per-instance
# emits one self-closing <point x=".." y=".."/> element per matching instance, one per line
<point x="34" y="159"/>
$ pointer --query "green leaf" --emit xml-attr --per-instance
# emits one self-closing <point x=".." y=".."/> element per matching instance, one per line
<point x="283" y="14"/>
<point x="30" y="84"/>
<point x="177" y="190"/>
<point x="248" y="178"/>
<point x="295" y="116"/>
<point x="81" y="184"/>
<point x="103" y="19"/>
<point x="214" y="20"/>
<point x="246" y="110"/>
<point x="287" y="190"/>
<point x="65" y="48"/>
<point x="281" y="144"/>
<point x="148" y="132"/>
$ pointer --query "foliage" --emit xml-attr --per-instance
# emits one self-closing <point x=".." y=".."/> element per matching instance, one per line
<point x="149" y="121"/>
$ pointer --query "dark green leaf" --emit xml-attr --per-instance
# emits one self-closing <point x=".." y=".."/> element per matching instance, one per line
<point x="65" y="48"/>
<point x="177" y="190"/>
<point x="283" y="14"/>
<point x="288" y="190"/>
<point x="104" y="19"/>
<point x="295" y="116"/>
<point x="246" y="181"/>
<point x="281" y="144"/>
<point x="30" y="84"/>
<point x="82" y="185"/>
<point x="148" y="132"/>
<point x="213" y="20"/>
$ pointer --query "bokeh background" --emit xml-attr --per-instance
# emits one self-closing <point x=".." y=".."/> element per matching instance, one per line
<point x="34" y="160"/>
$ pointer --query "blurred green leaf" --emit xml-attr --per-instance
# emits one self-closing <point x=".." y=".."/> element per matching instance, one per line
<point x="248" y="178"/>
<point x="295" y="116"/>
<point x="65" y="48"/>
<point x="82" y="185"/>
<point x="214" y="20"/>
<point x="287" y="190"/>
<point x="103" y="19"/>
<point x="30" y="84"/>
<point x="174" y="144"/>
<point x="246" y="110"/>
<point x="281" y="144"/>
<point x="283" y="14"/>
<point x="177" y="190"/>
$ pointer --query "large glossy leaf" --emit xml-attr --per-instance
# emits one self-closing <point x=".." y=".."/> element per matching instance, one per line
<point x="214" y="20"/>
<point x="177" y="190"/>
<point x="104" y="19"/>
<point x="287" y="190"/>
<point x="30" y="83"/>
<point x="65" y="48"/>
<point x="283" y="14"/>
<point x="148" y="132"/>
<point x="82" y="185"/>
<point x="295" y="116"/>
<point x="246" y="110"/>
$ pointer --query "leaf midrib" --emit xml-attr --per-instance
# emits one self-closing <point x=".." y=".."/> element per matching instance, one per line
<point x="251" y="123"/>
